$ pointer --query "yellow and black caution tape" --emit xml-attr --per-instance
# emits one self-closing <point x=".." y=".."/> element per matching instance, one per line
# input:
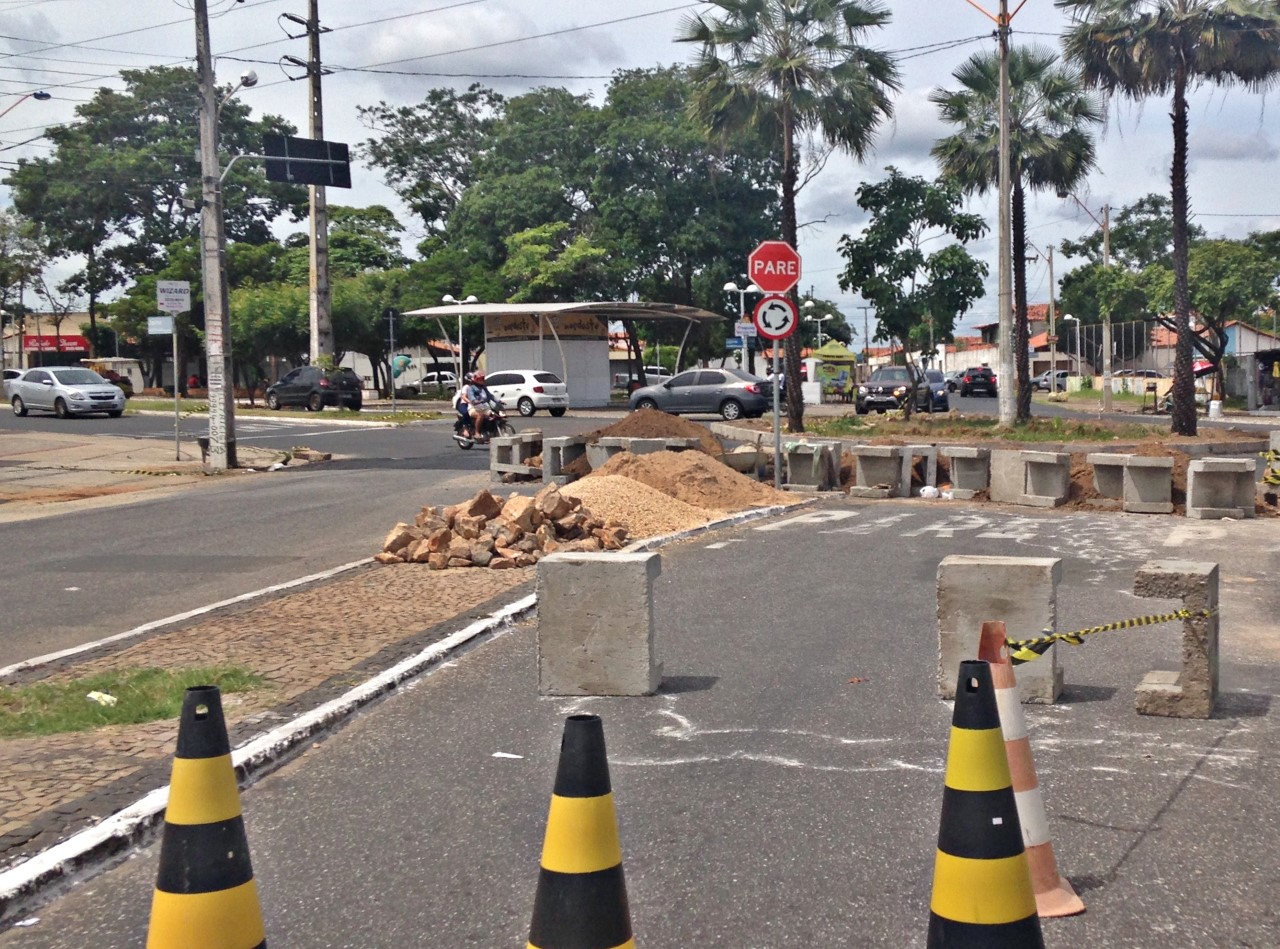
<point x="1025" y="650"/>
<point x="1272" y="475"/>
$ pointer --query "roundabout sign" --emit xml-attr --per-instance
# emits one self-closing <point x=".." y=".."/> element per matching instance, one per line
<point x="776" y="317"/>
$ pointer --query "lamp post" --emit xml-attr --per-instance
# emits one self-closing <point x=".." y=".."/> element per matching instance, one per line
<point x="1068" y="318"/>
<point x="809" y="305"/>
<point x="39" y="95"/>
<point x="732" y="287"/>
<point x="452" y="301"/>
<point x="1105" y="225"/>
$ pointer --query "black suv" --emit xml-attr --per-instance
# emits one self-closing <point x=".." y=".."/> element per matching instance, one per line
<point x="979" y="379"/>
<point x="887" y="389"/>
<point x="315" y="388"/>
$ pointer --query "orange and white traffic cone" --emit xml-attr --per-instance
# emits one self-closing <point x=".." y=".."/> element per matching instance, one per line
<point x="1054" y="894"/>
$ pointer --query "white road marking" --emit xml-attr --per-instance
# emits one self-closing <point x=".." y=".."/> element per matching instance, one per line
<point x="811" y="517"/>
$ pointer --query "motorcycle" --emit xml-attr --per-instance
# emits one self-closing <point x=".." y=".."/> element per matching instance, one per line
<point x="495" y="423"/>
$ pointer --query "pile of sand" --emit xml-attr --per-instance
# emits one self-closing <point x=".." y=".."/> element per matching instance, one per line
<point x="650" y="423"/>
<point x="645" y="511"/>
<point x="693" y="479"/>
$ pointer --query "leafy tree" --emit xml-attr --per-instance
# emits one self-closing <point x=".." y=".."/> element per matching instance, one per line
<point x="360" y="240"/>
<point x="1050" y="144"/>
<point x="889" y="269"/>
<point x="1141" y="235"/>
<point x="1142" y="48"/>
<point x="546" y="265"/>
<point x="22" y="260"/>
<point x="427" y="152"/>
<point x="786" y="69"/>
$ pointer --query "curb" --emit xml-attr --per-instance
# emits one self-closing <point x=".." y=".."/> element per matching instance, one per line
<point x="48" y="873"/>
<point x="300" y="420"/>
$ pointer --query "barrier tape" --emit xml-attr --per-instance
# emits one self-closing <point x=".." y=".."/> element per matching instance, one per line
<point x="1025" y="650"/>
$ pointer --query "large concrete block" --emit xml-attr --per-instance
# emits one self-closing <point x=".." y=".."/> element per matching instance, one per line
<point x="877" y="471"/>
<point x="970" y="470"/>
<point x="512" y="453"/>
<point x="559" y="453"/>
<point x="1221" y="487"/>
<point x="605" y="448"/>
<point x="1021" y="591"/>
<point x="1190" y="693"/>
<point x="812" y="466"/>
<point x="1108" y="473"/>
<point x="590" y="642"/>
<point x="1008" y="479"/>
<point x="929" y="454"/>
<point x="1048" y="478"/>
<point x="1148" y="485"/>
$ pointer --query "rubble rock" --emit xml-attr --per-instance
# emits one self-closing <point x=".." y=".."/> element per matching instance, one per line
<point x="612" y="538"/>
<point x="480" y="555"/>
<point x="468" y="526"/>
<point x="502" y="563"/>
<point x="438" y="561"/>
<point x="460" y="562"/>
<point x="523" y="512"/>
<point x="552" y="503"/>
<point x="439" y="540"/>
<point x="429" y="519"/>
<point x="400" y="537"/>
<point x="418" y="553"/>
<point x="484" y="506"/>
<point x="384" y="557"/>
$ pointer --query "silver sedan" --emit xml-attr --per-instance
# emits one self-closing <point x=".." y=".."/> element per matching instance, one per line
<point x="65" y="391"/>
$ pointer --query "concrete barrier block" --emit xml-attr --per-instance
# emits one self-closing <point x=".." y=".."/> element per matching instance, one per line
<point x="909" y="455"/>
<point x="1148" y="485"/>
<point x="1021" y="591"/>
<point x="1108" y="473"/>
<point x="511" y="454"/>
<point x="1008" y="479"/>
<point x="605" y="448"/>
<point x="1221" y="487"/>
<point x="1192" y="692"/>
<point x="590" y="644"/>
<point x="812" y="466"/>
<point x="970" y="470"/>
<point x="559" y="453"/>
<point x="1048" y="478"/>
<point x="645" y="446"/>
<point x="877" y="471"/>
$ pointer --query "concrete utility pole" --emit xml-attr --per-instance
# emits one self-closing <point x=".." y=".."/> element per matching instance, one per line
<point x="1106" y="314"/>
<point x="321" y="300"/>
<point x="213" y="240"/>
<point x="1053" y="329"/>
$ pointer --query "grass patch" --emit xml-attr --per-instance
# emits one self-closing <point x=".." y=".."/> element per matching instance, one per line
<point x="142" y="695"/>
<point x="943" y="426"/>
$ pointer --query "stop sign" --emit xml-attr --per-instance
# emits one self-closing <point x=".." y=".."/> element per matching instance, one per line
<point x="774" y="266"/>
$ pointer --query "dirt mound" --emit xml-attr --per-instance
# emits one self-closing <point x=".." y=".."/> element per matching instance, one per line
<point x="650" y="423"/>
<point x="646" y="511"/>
<point x="695" y="479"/>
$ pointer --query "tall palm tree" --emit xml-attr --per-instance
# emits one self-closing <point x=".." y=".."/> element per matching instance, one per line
<point x="791" y="68"/>
<point x="1049" y="143"/>
<point x="1141" y="48"/>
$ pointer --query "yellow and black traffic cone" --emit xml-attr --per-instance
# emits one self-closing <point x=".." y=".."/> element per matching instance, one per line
<point x="581" y="901"/>
<point x="205" y="896"/>
<point x="982" y="895"/>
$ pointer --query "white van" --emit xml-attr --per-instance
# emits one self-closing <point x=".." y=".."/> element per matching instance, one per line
<point x="624" y="380"/>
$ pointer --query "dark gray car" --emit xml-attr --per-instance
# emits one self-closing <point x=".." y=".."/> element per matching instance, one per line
<point x="731" y="393"/>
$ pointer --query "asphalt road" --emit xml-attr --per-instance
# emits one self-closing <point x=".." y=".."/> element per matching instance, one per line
<point x="75" y="578"/>
<point x="784" y="788"/>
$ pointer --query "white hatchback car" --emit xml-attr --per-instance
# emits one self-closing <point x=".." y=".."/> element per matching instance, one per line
<point x="529" y="390"/>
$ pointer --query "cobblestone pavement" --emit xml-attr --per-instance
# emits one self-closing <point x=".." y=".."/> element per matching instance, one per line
<point x="310" y="645"/>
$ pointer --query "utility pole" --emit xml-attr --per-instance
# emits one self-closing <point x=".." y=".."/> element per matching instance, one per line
<point x="866" y="342"/>
<point x="1106" y="313"/>
<point x="213" y="240"/>
<point x="1053" y="330"/>
<point x="321" y="299"/>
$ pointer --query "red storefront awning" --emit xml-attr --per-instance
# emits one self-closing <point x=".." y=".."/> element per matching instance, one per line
<point x="66" y="343"/>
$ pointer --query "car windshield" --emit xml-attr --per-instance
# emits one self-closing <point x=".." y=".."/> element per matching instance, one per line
<point x="890" y="375"/>
<point x="933" y="375"/>
<point x="77" y="377"/>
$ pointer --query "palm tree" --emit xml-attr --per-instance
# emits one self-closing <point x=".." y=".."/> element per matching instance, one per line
<point x="787" y="69"/>
<point x="1141" y="48"/>
<point x="1049" y="143"/>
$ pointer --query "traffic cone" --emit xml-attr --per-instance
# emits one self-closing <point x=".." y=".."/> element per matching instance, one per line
<point x="1054" y="895"/>
<point x="205" y="897"/>
<point x="581" y="899"/>
<point x="982" y="897"/>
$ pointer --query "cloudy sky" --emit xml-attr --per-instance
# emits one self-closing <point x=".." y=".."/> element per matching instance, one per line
<point x="393" y="51"/>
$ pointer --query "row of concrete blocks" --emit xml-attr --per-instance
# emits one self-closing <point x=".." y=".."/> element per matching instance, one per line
<point x="590" y="645"/>
<point x="511" y="454"/>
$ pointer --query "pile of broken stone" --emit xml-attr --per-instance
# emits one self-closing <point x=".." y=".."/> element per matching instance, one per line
<point x="487" y="531"/>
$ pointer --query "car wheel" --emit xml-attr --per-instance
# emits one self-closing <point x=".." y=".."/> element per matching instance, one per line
<point x="19" y="407"/>
<point x="731" y="410"/>
<point x="60" y="408"/>
<point x="115" y="413"/>
<point x="646" y="404"/>
<point x="526" y="407"/>
<point x="316" y="402"/>
<point x="964" y="393"/>
<point x="951" y="387"/>
<point x="860" y="409"/>
<point x="355" y="405"/>
<point x="557" y="413"/>
<point x="273" y="401"/>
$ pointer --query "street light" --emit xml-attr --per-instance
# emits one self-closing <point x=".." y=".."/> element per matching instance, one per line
<point x="1068" y="318"/>
<point x="809" y="305"/>
<point x="1105" y="225"/>
<point x="732" y="287"/>
<point x="449" y="299"/>
<point x="39" y="96"/>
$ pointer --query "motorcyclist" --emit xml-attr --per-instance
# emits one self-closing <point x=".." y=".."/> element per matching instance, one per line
<point x="460" y="406"/>
<point x="479" y="401"/>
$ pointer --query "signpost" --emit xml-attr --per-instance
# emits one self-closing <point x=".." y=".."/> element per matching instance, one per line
<point x="172" y="297"/>
<point x="776" y="318"/>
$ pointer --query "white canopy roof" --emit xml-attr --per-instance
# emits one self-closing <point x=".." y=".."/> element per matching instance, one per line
<point x="607" y="310"/>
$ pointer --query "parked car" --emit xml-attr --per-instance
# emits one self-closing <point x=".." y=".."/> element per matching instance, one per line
<point x="629" y="380"/>
<point x="978" y="379"/>
<point x="1142" y="373"/>
<point x="953" y="379"/>
<point x="8" y="375"/>
<point x="315" y="388"/>
<point x="64" y="391"/>
<point x="733" y="393"/>
<point x="529" y="390"/>
<point x="1045" y="380"/>
<point x="889" y="387"/>
<point x="438" y="380"/>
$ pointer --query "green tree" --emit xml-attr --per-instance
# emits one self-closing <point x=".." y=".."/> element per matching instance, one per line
<point x="786" y="69"/>
<point x="548" y="264"/>
<point x="361" y="240"/>
<point x="1050" y="145"/>
<point x="1141" y="234"/>
<point x="1142" y="48"/>
<point x="911" y="291"/>
<point x="22" y="260"/>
